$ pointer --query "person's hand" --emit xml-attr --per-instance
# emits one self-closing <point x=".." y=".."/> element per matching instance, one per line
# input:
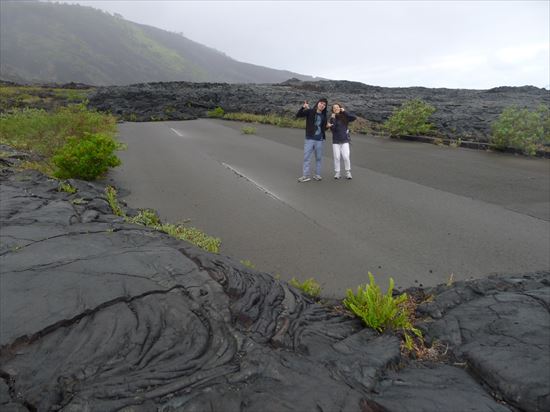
<point x="342" y="109"/>
<point x="306" y="105"/>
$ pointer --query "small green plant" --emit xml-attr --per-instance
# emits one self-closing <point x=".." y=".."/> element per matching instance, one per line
<point x="192" y="235"/>
<point x="248" y="130"/>
<point x="66" y="187"/>
<point x="451" y="279"/>
<point x="522" y="129"/>
<point x="410" y="119"/>
<point x="87" y="157"/>
<point x="381" y="312"/>
<point x="79" y="201"/>
<point x="145" y="217"/>
<point x="456" y="143"/>
<point x="309" y="287"/>
<point x="112" y="199"/>
<point x="248" y="264"/>
<point x="218" y="112"/>
<point x="149" y="218"/>
<point x="168" y="110"/>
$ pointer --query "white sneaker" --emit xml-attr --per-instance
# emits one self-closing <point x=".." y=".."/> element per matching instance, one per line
<point x="337" y="175"/>
<point x="317" y="177"/>
<point x="348" y="175"/>
<point x="304" y="179"/>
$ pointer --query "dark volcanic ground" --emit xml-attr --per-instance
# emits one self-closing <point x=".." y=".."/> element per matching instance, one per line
<point x="460" y="113"/>
<point x="102" y="315"/>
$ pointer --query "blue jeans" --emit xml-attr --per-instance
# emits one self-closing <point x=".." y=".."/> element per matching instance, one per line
<point x="311" y="146"/>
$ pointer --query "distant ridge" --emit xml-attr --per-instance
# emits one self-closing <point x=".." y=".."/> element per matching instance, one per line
<point x="62" y="43"/>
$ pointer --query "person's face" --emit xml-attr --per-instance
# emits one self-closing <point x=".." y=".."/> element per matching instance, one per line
<point x="321" y="106"/>
<point x="336" y="108"/>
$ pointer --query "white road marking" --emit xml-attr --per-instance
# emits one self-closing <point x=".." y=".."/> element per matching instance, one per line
<point x="263" y="189"/>
<point x="176" y="132"/>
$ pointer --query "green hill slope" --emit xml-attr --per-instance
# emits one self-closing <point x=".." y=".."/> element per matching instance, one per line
<point x="45" y="42"/>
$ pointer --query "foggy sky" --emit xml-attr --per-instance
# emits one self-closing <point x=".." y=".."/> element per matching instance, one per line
<point x="454" y="44"/>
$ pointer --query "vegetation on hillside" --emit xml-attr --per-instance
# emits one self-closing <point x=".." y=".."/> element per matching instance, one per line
<point x="70" y="141"/>
<point x="39" y="97"/>
<point x="70" y="42"/>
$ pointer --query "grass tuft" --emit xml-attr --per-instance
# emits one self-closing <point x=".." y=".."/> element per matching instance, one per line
<point x="149" y="218"/>
<point x="309" y="286"/>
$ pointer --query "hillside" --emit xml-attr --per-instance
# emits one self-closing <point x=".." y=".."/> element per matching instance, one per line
<point x="61" y="43"/>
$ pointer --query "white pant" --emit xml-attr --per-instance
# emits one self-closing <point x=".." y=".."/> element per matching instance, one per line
<point x="341" y="149"/>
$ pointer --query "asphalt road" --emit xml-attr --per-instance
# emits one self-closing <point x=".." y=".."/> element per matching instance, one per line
<point x="415" y="212"/>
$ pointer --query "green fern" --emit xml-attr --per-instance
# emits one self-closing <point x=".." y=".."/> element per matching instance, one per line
<point x="381" y="312"/>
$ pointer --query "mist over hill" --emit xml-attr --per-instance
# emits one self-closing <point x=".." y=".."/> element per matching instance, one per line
<point x="61" y="43"/>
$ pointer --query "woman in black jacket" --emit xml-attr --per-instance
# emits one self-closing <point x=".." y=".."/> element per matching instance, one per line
<point x="339" y="122"/>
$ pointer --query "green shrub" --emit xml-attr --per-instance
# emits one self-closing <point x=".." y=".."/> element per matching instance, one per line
<point x="410" y="119"/>
<point x="522" y="129"/>
<point x="218" y="112"/>
<point x="381" y="312"/>
<point x="87" y="157"/>
<point x="248" y="130"/>
<point x="309" y="286"/>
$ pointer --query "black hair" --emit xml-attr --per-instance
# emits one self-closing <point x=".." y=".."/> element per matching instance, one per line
<point x="324" y="100"/>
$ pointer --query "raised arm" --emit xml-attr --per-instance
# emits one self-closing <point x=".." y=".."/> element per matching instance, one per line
<point x="304" y="110"/>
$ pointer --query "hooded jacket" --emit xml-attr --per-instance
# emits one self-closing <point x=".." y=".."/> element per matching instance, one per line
<point x="309" y="114"/>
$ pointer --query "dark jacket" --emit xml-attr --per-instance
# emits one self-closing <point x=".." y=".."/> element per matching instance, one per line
<point x="309" y="114"/>
<point x="339" y="127"/>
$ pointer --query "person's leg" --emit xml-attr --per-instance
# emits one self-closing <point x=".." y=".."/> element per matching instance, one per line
<point x="346" y="156"/>
<point x="336" y="154"/>
<point x="336" y="151"/>
<point x="318" y="156"/>
<point x="308" y="151"/>
<point x="347" y="162"/>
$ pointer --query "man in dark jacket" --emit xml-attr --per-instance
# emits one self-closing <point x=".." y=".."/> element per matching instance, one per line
<point x="316" y="123"/>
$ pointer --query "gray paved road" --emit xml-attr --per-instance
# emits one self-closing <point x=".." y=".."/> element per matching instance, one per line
<point x="415" y="212"/>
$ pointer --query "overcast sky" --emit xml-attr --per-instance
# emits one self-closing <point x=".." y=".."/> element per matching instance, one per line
<point x="455" y="44"/>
